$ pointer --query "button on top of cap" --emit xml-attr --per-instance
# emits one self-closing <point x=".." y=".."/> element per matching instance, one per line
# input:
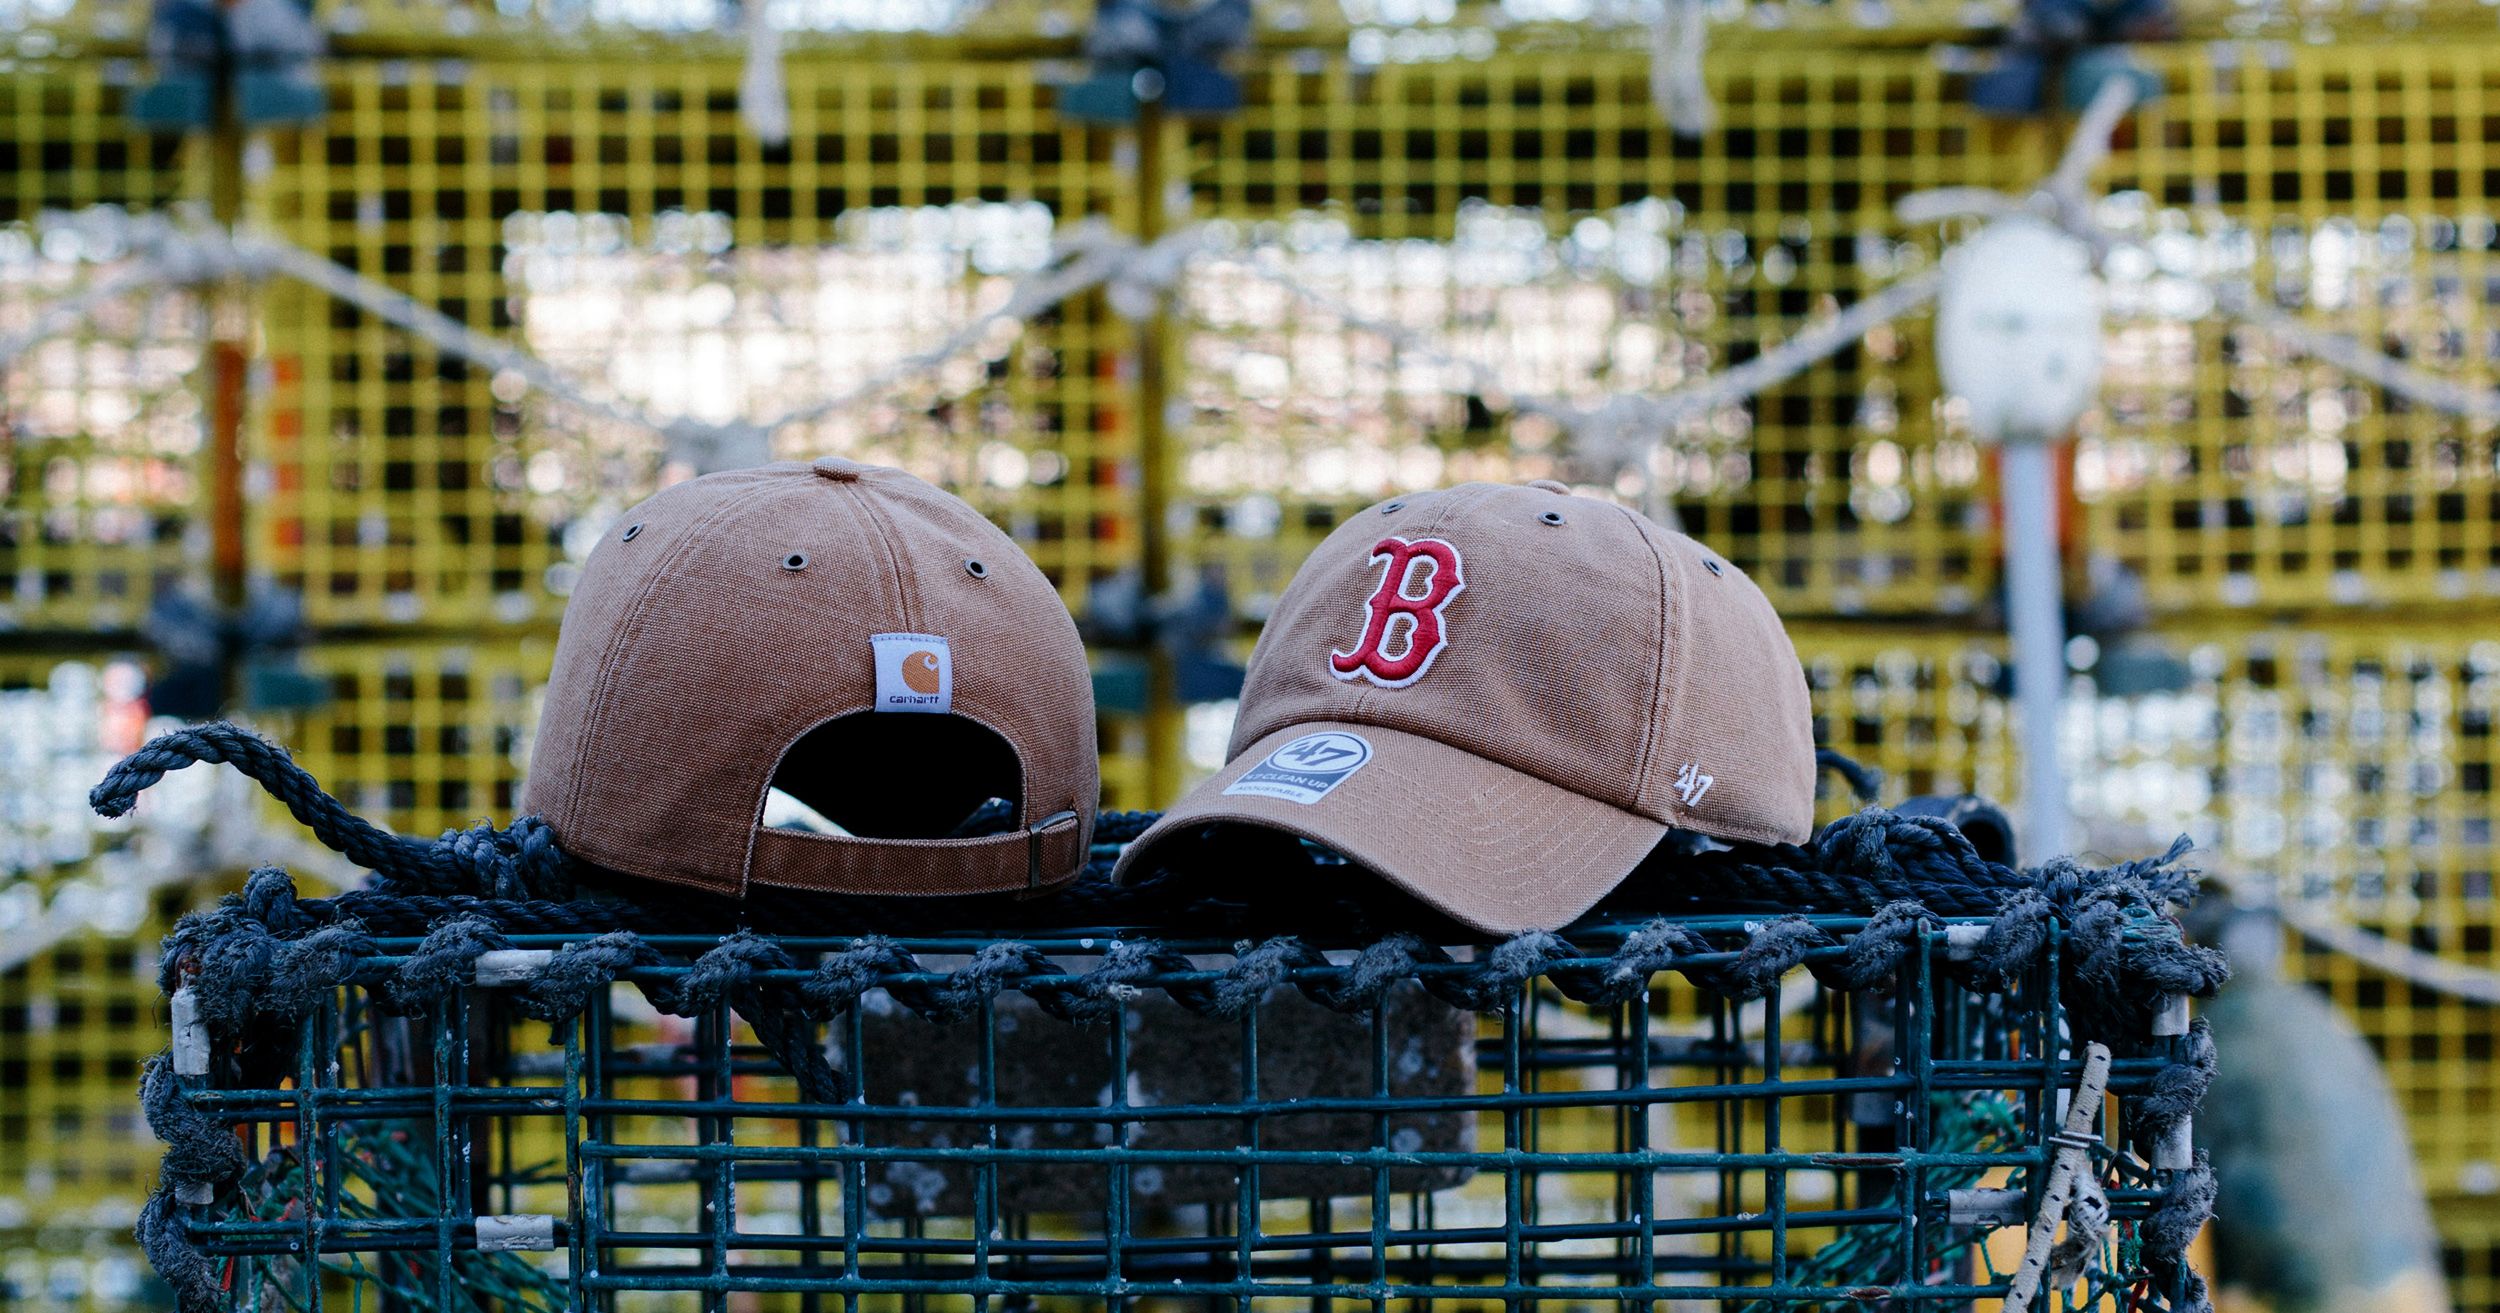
<point x="837" y="469"/>
<point x="1550" y="485"/>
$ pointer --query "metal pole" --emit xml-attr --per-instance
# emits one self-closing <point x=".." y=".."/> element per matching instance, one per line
<point x="2035" y="608"/>
<point x="1154" y="464"/>
<point x="228" y="310"/>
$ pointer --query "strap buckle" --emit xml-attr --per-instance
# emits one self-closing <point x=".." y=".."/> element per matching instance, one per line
<point x="1033" y="845"/>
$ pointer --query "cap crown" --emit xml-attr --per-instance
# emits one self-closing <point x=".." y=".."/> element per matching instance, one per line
<point x="1576" y="642"/>
<point x="722" y="619"/>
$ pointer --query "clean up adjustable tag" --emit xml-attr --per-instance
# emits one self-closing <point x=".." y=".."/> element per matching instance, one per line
<point x="915" y="672"/>
<point x="1306" y="769"/>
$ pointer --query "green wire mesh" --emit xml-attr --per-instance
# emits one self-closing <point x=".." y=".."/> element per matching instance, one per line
<point x="1812" y="1149"/>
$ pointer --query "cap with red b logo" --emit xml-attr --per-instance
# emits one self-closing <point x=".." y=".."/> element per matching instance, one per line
<point x="1501" y="697"/>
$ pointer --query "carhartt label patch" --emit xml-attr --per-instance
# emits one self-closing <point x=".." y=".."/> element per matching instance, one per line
<point x="915" y="672"/>
<point x="1306" y="769"/>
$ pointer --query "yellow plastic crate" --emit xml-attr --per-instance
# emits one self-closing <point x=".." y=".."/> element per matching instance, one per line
<point x="99" y="428"/>
<point x="2229" y="472"/>
<point x="533" y="197"/>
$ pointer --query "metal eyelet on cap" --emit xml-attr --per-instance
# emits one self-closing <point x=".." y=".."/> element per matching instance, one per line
<point x="1711" y="566"/>
<point x="632" y="531"/>
<point x="976" y="569"/>
<point x="794" y="561"/>
<point x="1551" y="517"/>
<point x="1393" y="507"/>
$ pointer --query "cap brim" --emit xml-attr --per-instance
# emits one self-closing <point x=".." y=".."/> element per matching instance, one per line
<point x="1495" y="848"/>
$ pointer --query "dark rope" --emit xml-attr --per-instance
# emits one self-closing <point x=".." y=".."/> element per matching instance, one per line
<point x="243" y="973"/>
<point x="1644" y="953"/>
<point x="443" y="962"/>
<point x="199" y="1149"/>
<point x="175" y="1258"/>
<point x="522" y="861"/>
<point x="727" y="974"/>
<point x="563" y="987"/>
<point x="2167" y="1232"/>
<point x="1858" y="864"/>
<point x="2178" y="1088"/>
<point x="1863" y="781"/>
<point x="364" y="843"/>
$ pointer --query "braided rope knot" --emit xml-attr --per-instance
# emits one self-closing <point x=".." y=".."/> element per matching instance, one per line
<point x="563" y="987"/>
<point x="517" y="863"/>
<point x="2181" y="1212"/>
<point x="731" y="974"/>
<point x="445" y="960"/>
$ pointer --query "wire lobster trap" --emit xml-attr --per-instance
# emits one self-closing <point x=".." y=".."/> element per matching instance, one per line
<point x="1786" y="1113"/>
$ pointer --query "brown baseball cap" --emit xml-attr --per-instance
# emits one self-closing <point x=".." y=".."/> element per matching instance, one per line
<point x="845" y="634"/>
<point x="1501" y="697"/>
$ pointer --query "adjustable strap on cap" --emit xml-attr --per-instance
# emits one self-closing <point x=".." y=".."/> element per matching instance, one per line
<point x="1033" y="845"/>
<point x="1048" y="852"/>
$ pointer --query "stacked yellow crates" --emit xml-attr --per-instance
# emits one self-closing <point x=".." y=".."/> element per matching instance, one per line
<point x="2310" y="567"/>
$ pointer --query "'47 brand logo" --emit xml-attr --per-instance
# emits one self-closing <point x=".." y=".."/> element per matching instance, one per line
<point x="1402" y="622"/>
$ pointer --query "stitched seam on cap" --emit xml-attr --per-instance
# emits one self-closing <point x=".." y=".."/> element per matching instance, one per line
<point x="870" y="511"/>
<point x="1672" y="695"/>
<point x="1658" y="678"/>
<point x="593" y="729"/>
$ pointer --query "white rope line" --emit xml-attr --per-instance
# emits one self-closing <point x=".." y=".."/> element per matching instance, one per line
<point x="418" y="319"/>
<point x="2094" y="136"/>
<point x="2345" y="353"/>
<point x="1816" y="343"/>
<point x="1678" y="38"/>
<point x="1632" y="410"/>
<point x="65" y="314"/>
<point x="2430" y="971"/>
<point x="1091" y="254"/>
<point x="2403" y="961"/>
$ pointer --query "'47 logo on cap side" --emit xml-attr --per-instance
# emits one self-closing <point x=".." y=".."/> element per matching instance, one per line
<point x="1305" y="769"/>
<point x="1399" y="616"/>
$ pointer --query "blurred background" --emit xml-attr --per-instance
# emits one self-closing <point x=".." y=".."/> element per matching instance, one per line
<point x="330" y="342"/>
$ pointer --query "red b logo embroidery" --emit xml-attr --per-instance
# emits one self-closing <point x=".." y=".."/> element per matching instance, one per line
<point x="1420" y="638"/>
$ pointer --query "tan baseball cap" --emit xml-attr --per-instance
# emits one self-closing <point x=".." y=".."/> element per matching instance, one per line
<point x="846" y="635"/>
<point x="1501" y="697"/>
